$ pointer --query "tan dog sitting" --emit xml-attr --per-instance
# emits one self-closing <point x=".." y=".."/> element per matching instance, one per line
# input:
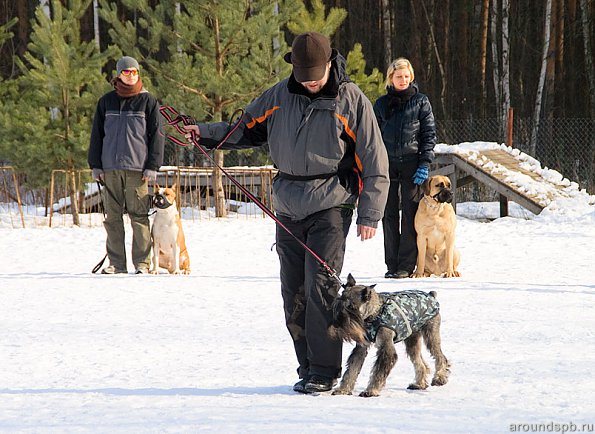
<point x="169" y="245"/>
<point x="435" y="223"/>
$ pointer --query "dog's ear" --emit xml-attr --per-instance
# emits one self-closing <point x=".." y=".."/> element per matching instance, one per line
<point x="350" y="281"/>
<point x="426" y="187"/>
<point x="173" y="187"/>
<point x="156" y="187"/>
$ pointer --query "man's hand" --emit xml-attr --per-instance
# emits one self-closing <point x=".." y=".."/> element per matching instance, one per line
<point x="365" y="232"/>
<point x="98" y="174"/>
<point x="149" y="175"/>
<point x="189" y="129"/>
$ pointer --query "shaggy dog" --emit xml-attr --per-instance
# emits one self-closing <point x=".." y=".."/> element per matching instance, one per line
<point x="362" y="315"/>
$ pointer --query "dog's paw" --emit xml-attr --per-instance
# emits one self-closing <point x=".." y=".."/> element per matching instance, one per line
<point x="154" y="271"/>
<point x="341" y="392"/>
<point x="439" y="380"/>
<point x="453" y="273"/>
<point x="415" y="386"/>
<point x="369" y="393"/>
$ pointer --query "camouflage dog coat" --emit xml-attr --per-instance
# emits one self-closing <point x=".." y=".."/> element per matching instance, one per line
<point x="404" y="312"/>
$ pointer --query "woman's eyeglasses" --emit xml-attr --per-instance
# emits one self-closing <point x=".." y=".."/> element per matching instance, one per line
<point x="127" y="72"/>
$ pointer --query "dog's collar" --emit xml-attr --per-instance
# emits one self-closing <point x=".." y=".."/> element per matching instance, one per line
<point x="431" y="202"/>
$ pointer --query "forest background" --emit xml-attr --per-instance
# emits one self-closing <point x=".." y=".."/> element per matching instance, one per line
<point x="476" y="59"/>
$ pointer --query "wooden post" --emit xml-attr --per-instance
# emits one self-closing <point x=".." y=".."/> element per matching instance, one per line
<point x="503" y="206"/>
<point x="51" y="201"/>
<point x="18" y="195"/>
<point x="510" y="118"/>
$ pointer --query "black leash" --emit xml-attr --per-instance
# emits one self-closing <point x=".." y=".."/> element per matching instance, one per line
<point x="174" y="118"/>
<point x="98" y="266"/>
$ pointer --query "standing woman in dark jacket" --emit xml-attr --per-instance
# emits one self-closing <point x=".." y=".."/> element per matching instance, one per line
<point x="407" y="123"/>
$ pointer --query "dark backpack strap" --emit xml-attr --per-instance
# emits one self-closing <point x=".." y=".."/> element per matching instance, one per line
<point x="305" y="177"/>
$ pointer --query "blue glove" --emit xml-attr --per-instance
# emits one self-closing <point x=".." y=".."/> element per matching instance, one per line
<point x="420" y="175"/>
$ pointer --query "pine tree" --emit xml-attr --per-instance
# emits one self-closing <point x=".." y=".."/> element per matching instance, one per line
<point x="207" y="58"/>
<point x="49" y="121"/>
<point x="373" y="84"/>
<point x="4" y="32"/>
<point x="318" y="20"/>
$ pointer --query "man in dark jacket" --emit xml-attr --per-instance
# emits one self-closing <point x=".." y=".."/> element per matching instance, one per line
<point x="125" y="153"/>
<point x="324" y="140"/>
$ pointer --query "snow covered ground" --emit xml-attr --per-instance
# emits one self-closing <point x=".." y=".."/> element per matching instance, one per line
<point x="209" y="352"/>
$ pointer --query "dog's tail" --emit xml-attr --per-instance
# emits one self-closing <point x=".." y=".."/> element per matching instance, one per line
<point x="433" y="294"/>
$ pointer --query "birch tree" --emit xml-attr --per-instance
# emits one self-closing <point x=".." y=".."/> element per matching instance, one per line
<point x="496" y="77"/>
<point x="441" y="66"/>
<point x="96" y="24"/>
<point x="485" y="13"/>
<point x="588" y="50"/>
<point x="587" y="32"/>
<point x="541" y="81"/>
<point x="387" y="35"/>
<point x="505" y="67"/>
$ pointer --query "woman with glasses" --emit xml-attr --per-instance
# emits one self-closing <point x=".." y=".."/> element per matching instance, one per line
<point x="125" y="153"/>
<point x="406" y="120"/>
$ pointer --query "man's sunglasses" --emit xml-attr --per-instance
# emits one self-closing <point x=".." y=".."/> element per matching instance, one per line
<point x="127" y="72"/>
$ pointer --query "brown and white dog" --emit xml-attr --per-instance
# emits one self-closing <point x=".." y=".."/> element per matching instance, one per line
<point x="435" y="224"/>
<point x="169" y="245"/>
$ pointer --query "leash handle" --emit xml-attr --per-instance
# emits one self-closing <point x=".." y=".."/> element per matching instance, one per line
<point x="178" y="118"/>
<point x="99" y="264"/>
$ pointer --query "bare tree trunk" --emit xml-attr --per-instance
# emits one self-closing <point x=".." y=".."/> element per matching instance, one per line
<point x="220" y="209"/>
<point x="96" y="23"/>
<point x="559" y="87"/>
<point x="386" y="32"/>
<point x="538" y="97"/>
<point x="485" y="13"/>
<point x="416" y="57"/>
<point x="495" y="59"/>
<point x="551" y="74"/>
<point x="505" y="66"/>
<point x="22" y="26"/>
<point x="438" y="61"/>
<point x="74" y="203"/>
<point x="587" y="32"/>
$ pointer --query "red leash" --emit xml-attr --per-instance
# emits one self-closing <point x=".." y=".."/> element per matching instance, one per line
<point x="174" y="118"/>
